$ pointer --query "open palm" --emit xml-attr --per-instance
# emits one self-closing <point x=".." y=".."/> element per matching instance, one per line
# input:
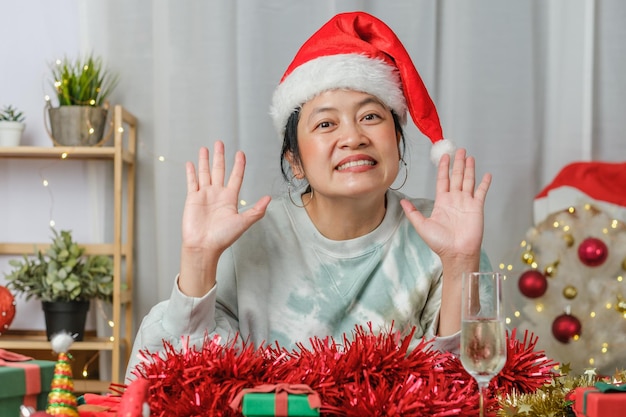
<point x="455" y="226"/>
<point x="211" y="218"/>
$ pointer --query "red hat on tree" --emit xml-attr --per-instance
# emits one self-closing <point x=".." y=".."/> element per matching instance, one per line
<point x="599" y="183"/>
<point x="359" y="52"/>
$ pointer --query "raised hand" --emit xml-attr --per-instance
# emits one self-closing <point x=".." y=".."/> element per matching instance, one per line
<point x="211" y="219"/>
<point x="454" y="230"/>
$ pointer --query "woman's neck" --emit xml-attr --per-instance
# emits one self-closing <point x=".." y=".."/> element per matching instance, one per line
<point x="344" y="218"/>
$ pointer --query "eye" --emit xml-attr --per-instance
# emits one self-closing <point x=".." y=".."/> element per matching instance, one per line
<point x="370" y="117"/>
<point x="323" y="125"/>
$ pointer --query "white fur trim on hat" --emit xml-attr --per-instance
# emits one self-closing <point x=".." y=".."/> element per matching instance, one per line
<point x="440" y="148"/>
<point x="350" y="71"/>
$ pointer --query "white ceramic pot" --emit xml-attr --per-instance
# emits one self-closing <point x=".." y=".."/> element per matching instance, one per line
<point x="11" y="133"/>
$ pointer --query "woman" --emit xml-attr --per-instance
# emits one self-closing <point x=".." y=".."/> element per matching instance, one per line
<point x="344" y="249"/>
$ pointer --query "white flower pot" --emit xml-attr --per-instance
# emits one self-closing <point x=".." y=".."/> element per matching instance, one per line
<point x="11" y="133"/>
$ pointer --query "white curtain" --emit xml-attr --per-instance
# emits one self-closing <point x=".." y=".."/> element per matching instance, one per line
<point x="526" y="86"/>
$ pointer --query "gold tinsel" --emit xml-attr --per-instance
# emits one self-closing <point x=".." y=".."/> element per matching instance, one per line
<point x="551" y="399"/>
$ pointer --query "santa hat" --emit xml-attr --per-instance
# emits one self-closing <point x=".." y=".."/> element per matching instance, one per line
<point x="359" y="52"/>
<point x="599" y="183"/>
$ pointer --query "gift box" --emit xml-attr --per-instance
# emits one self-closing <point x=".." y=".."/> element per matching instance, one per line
<point x="261" y="405"/>
<point x="278" y="400"/>
<point x="26" y="383"/>
<point x="599" y="401"/>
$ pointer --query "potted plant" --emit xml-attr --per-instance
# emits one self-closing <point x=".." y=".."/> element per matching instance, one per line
<point x="11" y="126"/>
<point x="81" y="88"/>
<point x="65" y="280"/>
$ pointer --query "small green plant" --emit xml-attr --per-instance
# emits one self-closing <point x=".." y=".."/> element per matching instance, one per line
<point x="63" y="273"/>
<point x="11" y="114"/>
<point x="82" y="82"/>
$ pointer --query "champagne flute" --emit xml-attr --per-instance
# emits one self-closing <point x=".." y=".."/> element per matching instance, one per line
<point x="483" y="338"/>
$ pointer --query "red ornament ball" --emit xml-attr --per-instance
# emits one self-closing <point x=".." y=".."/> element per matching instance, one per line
<point x="532" y="284"/>
<point x="565" y="327"/>
<point x="7" y="308"/>
<point x="593" y="251"/>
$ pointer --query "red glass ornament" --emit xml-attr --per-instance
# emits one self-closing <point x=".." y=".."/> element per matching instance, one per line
<point x="593" y="251"/>
<point x="532" y="284"/>
<point x="7" y="308"/>
<point x="565" y="327"/>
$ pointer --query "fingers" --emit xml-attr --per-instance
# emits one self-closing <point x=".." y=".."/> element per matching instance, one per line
<point x="458" y="170"/>
<point x="483" y="187"/>
<point x="192" y="180"/>
<point x="215" y="174"/>
<point x="204" y="177"/>
<point x="443" y="176"/>
<point x="463" y="175"/>
<point x="236" y="176"/>
<point x="219" y="166"/>
<point x="469" y="176"/>
<point x="195" y="182"/>
<point x="258" y="210"/>
<point x="414" y="215"/>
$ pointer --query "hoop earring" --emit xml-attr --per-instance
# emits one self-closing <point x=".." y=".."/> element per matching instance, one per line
<point x="406" y="175"/>
<point x="290" y="188"/>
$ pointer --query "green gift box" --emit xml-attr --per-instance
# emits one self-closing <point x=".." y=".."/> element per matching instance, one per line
<point x="257" y="404"/>
<point x="13" y="385"/>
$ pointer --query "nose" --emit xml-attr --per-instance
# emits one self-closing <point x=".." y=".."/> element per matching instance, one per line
<point x="352" y="136"/>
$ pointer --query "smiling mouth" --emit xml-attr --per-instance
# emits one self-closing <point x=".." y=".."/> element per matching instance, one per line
<point x="354" y="164"/>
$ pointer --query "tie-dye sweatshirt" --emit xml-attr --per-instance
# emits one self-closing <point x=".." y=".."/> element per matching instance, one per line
<point x="283" y="281"/>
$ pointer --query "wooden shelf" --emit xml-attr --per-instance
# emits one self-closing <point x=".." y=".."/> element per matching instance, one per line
<point x="64" y="152"/>
<point x="90" y="385"/>
<point x="121" y="153"/>
<point x="8" y="248"/>
<point x="42" y="343"/>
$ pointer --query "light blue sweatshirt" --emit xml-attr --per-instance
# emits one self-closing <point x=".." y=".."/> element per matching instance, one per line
<point x="282" y="281"/>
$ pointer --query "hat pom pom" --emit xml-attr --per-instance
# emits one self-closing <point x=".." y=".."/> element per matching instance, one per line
<point x="61" y="342"/>
<point x="440" y="148"/>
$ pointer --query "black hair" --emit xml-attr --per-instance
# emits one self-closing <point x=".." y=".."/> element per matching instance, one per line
<point x="290" y="142"/>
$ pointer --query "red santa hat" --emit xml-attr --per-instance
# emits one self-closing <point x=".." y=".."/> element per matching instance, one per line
<point x="359" y="52"/>
<point x="600" y="183"/>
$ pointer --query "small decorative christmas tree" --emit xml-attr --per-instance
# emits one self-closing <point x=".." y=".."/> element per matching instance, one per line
<point x="61" y="399"/>
<point x="572" y="267"/>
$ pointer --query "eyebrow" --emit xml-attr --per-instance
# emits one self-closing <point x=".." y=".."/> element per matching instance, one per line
<point x="365" y="101"/>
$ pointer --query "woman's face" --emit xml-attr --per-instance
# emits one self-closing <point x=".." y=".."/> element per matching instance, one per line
<point x="348" y="144"/>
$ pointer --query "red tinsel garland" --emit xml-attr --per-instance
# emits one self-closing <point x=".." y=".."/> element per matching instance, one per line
<point x="524" y="372"/>
<point x="366" y="374"/>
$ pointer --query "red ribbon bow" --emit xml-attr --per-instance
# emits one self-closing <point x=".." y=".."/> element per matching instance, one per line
<point x="282" y="393"/>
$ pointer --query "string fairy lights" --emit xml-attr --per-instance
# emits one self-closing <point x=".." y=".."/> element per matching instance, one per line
<point x="85" y="372"/>
<point x="48" y="182"/>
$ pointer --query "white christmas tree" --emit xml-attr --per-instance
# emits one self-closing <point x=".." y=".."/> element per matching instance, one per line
<point x="569" y="279"/>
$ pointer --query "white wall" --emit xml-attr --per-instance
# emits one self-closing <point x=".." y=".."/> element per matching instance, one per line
<point x="34" y="33"/>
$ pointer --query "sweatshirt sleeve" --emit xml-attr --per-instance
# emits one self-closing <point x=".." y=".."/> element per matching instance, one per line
<point x="181" y="317"/>
<point x="451" y="343"/>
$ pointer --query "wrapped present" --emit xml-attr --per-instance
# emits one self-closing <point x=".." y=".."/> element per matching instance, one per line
<point x="278" y="400"/>
<point x="23" y="382"/>
<point x="601" y="400"/>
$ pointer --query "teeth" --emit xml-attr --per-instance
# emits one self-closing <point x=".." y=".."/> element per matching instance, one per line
<point x="354" y="164"/>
